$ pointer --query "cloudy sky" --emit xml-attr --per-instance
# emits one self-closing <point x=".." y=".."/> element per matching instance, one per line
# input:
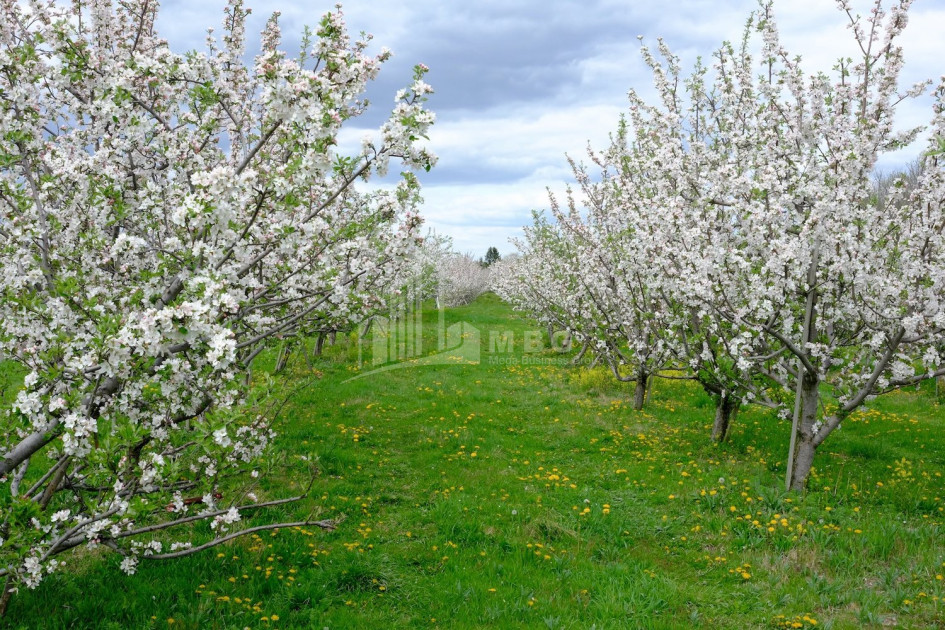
<point x="521" y="83"/>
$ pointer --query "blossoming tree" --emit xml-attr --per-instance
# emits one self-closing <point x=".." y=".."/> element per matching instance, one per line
<point x="577" y="275"/>
<point x="460" y="279"/>
<point x="163" y="218"/>
<point x="702" y="345"/>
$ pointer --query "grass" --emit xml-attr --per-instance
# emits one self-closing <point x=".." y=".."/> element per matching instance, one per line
<point x="528" y="494"/>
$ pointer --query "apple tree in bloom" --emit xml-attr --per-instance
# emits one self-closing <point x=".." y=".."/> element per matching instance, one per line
<point x="627" y="315"/>
<point x="541" y="280"/>
<point x="424" y="273"/>
<point x="575" y="275"/>
<point x="164" y="218"/>
<point x="534" y="281"/>
<point x="460" y="279"/>
<point x="692" y="341"/>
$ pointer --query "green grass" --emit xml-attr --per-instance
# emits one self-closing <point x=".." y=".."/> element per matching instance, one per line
<point x="532" y="496"/>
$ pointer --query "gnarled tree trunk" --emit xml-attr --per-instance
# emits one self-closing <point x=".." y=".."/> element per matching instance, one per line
<point x="726" y="408"/>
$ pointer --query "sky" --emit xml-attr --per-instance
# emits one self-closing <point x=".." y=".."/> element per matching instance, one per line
<point x="522" y="84"/>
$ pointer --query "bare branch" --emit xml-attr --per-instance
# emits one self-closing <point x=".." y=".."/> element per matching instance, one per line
<point x="326" y="524"/>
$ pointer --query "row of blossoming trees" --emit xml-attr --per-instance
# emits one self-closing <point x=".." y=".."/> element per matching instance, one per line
<point x="164" y="218"/>
<point x="732" y="233"/>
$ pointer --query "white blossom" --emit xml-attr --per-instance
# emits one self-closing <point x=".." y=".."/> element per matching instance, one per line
<point x="129" y="565"/>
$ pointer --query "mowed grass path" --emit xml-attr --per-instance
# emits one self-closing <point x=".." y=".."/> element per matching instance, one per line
<point x="516" y="495"/>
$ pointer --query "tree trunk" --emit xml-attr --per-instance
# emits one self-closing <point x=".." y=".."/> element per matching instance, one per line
<point x="803" y="462"/>
<point x="580" y="355"/>
<point x="801" y="455"/>
<point x="639" y="392"/>
<point x="304" y="348"/>
<point x="6" y="595"/>
<point x="283" y="359"/>
<point x="320" y="344"/>
<point x="726" y="406"/>
<point x="805" y="448"/>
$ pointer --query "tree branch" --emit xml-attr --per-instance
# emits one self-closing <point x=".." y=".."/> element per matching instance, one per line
<point x="326" y="524"/>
